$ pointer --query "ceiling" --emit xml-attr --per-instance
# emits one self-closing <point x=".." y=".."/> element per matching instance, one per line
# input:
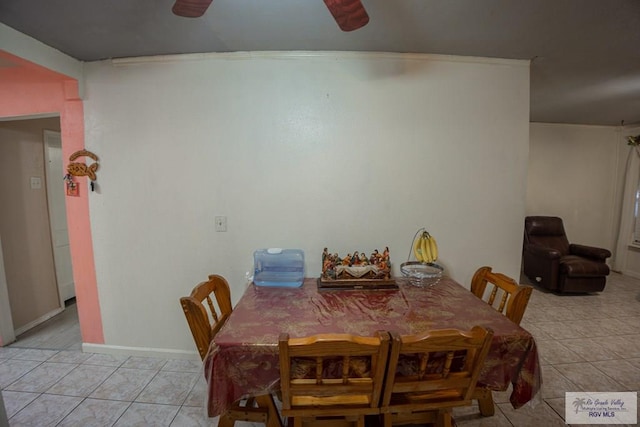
<point x="585" y="54"/>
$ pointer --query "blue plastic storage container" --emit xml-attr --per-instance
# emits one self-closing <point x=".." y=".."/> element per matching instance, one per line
<point x="278" y="267"/>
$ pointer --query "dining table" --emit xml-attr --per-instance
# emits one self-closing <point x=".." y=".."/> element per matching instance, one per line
<point x="243" y="360"/>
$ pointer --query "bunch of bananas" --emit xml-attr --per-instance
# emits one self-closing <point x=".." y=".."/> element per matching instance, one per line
<point x="425" y="248"/>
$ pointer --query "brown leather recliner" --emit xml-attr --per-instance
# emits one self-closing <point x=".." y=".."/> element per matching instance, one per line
<point x="552" y="262"/>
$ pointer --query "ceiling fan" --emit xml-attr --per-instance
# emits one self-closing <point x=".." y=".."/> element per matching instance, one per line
<point x="349" y="14"/>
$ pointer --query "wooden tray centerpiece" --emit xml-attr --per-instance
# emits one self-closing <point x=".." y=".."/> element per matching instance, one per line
<point x="356" y="271"/>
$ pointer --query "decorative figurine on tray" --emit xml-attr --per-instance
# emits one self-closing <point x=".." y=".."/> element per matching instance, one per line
<point x="356" y="266"/>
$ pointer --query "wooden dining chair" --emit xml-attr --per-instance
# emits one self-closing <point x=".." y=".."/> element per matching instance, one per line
<point x="207" y="309"/>
<point x="332" y="379"/>
<point x="205" y="320"/>
<point x="429" y="375"/>
<point x="510" y="297"/>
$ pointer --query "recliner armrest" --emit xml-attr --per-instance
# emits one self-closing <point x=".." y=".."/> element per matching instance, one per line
<point x="542" y="251"/>
<point x="600" y="254"/>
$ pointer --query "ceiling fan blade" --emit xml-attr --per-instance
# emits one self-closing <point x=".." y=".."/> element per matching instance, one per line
<point x="349" y="14"/>
<point x="191" y="8"/>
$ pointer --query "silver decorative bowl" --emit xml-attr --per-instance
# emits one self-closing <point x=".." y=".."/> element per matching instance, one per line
<point x="421" y="274"/>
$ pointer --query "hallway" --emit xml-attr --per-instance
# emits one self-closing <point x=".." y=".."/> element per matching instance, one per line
<point x="61" y="332"/>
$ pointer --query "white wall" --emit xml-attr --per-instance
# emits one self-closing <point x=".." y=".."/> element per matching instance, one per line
<point x="348" y="151"/>
<point x="573" y="174"/>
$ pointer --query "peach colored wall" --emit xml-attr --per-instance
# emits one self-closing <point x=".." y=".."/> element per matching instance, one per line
<point x="28" y="89"/>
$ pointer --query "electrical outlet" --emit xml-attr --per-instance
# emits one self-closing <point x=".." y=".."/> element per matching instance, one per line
<point x="221" y="223"/>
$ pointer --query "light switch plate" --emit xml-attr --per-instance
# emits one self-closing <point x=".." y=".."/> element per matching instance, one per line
<point x="221" y="223"/>
<point x="36" y="183"/>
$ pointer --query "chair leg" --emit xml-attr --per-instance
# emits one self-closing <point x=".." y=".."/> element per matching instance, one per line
<point x="265" y="401"/>
<point x="259" y="409"/>
<point x="444" y="418"/>
<point x="485" y="401"/>
<point x="226" y="420"/>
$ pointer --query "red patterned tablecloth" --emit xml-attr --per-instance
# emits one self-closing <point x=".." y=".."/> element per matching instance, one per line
<point x="243" y="357"/>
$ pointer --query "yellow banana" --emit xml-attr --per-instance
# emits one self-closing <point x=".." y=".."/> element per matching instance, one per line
<point x="426" y="250"/>
<point x="417" y="249"/>
<point x="433" y="246"/>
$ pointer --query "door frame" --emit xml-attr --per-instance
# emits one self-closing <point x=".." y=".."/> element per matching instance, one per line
<point x="47" y="134"/>
<point x="7" y="333"/>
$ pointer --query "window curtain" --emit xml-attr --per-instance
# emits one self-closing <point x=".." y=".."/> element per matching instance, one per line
<point x="627" y="212"/>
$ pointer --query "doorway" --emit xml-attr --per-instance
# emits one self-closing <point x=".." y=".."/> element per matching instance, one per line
<point x="29" y="233"/>
<point x="57" y="79"/>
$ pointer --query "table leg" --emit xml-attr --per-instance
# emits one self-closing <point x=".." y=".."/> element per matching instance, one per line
<point x="485" y="401"/>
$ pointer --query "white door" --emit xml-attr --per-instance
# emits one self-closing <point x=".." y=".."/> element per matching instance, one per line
<point x="58" y="215"/>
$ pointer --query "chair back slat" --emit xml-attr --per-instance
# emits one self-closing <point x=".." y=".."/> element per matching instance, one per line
<point x="345" y="369"/>
<point x="212" y="309"/>
<point x="513" y="296"/>
<point x="503" y="302"/>
<point x="447" y="364"/>
<point x="492" y="296"/>
<point x="424" y="362"/>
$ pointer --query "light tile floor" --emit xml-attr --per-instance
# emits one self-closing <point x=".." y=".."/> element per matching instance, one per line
<point x="586" y="343"/>
<point x="61" y="332"/>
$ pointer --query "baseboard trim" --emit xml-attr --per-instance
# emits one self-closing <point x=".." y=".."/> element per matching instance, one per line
<point x="118" y="350"/>
<point x="22" y="329"/>
<point x="631" y="274"/>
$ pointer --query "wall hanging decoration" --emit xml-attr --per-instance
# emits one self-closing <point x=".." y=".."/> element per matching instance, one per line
<point x="71" y="185"/>
<point x="81" y="169"/>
